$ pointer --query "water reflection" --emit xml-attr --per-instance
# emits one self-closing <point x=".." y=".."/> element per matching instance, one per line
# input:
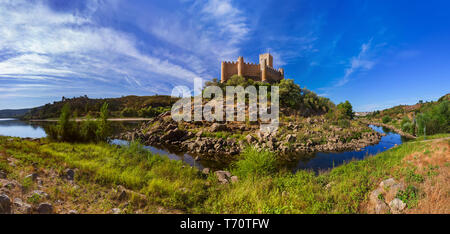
<point x="16" y="128"/>
<point x="317" y="161"/>
<point x="323" y="160"/>
<point x="187" y="158"/>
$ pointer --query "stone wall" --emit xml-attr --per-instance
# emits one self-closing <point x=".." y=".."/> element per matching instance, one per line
<point x="257" y="72"/>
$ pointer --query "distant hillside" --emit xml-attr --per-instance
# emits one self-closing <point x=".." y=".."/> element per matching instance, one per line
<point x="128" y="106"/>
<point x="432" y="117"/>
<point x="400" y="111"/>
<point x="13" y="113"/>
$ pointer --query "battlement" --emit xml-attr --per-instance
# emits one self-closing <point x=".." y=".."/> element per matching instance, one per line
<point x="264" y="71"/>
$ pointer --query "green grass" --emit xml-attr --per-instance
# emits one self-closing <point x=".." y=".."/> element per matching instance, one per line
<point x="261" y="187"/>
<point x="436" y="136"/>
<point x="166" y="182"/>
<point x="306" y="192"/>
<point x="254" y="163"/>
<point x="410" y="196"/>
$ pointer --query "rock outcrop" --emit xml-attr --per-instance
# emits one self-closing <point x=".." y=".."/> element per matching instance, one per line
<point x="199" y="137"/>
<point x="383" y="199"/>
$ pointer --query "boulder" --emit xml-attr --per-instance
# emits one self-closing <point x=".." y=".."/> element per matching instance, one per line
<point x="5" y="204"/>
<point x="173" y="135"/>
<point x="250" y="139"/>
<point x="45" y="208"/>
<point x="291" y="138"/>
<point x="2" y="175"/>
<point x="381" y="207"/>
<point x="69" y="174"/>
<point x="216" y="127"/>
<point x="223" y="176"/>
<point x="40" y="193"/>
<point x="373" y="196"/>
<point x="206" y="171"/>
<point x="397" y="206"/>
<point x="199" y="134"/>
<point x="385" y="184"/>
<point x="73" y="212"/>
<point x="116" y="211"/>
<point x="121" y="193"/>
<point x="22" y="207"/>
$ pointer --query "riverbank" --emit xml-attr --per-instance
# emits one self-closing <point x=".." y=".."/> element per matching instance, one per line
<point x="84" y="119"/>
<point x="217" y="140"/>
<point x="100" y="178"/>
<point x="404" y="134"/>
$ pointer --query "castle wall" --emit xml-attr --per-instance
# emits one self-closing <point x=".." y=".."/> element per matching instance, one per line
<point x="228" y="69"/>
<point x="256" y="72"/>
<point x="273" y="75"/>
<point x="252" y="71"/>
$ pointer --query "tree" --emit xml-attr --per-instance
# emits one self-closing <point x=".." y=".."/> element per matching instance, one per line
<point x="103" y="129"/>
<point x="345" y="110"/>
<point x="290" y="93"/>
<point x="64" y="125"/>
<point x="236" y="80"/>
<point x="386" y="119"/>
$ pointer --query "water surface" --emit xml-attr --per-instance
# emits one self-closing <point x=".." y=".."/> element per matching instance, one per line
<point x="316" y="161"/>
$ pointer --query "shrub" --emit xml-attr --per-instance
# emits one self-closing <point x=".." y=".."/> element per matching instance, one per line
<point x="435" y="120"/>
<point x="103" y="128"/>
<point x="254" y="163"/>
<point x="88" y="131"/>
<point x="406" y="125"/>
<point x="386" y="119"/>
<point x="129" y="112"/>
<point x="150" y="112"/>
<point x="290" y="93"/>
<point x="343" y="123"/>
<point x="345" y="110"/>
<point x="410" y="196"/>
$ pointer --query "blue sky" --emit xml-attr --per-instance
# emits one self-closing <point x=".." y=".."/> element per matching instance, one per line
<point x="376" y="54"/>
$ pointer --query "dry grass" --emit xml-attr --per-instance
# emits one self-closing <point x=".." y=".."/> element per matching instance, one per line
<point x="434" y="165"/>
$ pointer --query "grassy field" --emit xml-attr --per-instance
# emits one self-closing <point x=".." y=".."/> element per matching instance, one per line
<point x="155" y="184"/>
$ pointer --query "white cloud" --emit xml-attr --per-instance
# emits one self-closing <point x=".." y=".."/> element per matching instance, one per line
<point x="362" y="62"/>
<point x="63" y="46"/>
<point x="207" y="31"/>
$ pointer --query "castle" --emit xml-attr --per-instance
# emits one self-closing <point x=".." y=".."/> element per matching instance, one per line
<point x="263" y="71"/>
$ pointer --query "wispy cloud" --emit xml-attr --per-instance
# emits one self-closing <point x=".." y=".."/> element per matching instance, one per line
<point x="362" y="62"/>
<point x="38" y="43"/>
<point x="206" y="33"/>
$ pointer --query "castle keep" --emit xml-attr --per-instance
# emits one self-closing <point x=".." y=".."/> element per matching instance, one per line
<point x="263" y="71"/>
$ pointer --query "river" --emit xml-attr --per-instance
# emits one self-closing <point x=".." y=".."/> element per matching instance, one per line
<point x="316" y="161"/>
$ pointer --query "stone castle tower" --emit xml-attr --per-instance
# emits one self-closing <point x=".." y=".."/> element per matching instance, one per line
<point x="263" y="71"/>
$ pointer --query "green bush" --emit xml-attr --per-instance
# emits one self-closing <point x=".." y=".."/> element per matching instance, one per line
<point x="345" y="110"/>
<point x="129" y="112"/>
<point x="254" y="163"/>
<point x="434" y="120"/>
<point x="386" y="119"/>
<point x="407" y="126"/>
<point x="343" y="123"/>
<point x="150" y="112"/>
<point x="103" y="127"/>
<point x="87" y="131"/>
<point x="410" y="196"/>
